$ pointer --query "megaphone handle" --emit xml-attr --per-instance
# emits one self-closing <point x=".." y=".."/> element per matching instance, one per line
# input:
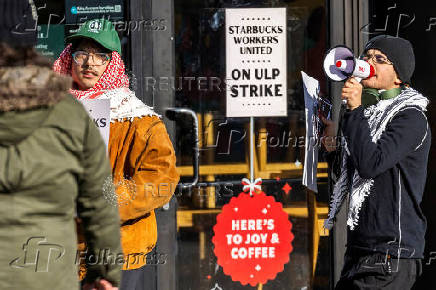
<point x="344" y="102"/>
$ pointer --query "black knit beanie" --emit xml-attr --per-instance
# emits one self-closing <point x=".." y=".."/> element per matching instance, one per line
<point x="18" y="22"/>
<point x="399" y="51"/>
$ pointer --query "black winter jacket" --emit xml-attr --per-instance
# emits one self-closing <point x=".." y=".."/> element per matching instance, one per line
<point x="391" y="220"/>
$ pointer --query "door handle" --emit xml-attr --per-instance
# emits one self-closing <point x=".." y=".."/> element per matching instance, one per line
<point x="176" y="114"/>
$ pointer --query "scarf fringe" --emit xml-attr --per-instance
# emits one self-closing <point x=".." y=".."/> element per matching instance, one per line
<point x="125" y="105"/>
<point x="357" y="198"/>
<point x="340" y="191"/>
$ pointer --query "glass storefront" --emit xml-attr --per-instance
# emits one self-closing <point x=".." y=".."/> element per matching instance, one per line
<point x="224" y="144"/>
<point x="197" y="62"/>
<point x="198" y="84"/>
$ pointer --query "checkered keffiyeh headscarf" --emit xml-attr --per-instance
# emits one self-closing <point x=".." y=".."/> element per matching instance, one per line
<point x="114" y="76"/>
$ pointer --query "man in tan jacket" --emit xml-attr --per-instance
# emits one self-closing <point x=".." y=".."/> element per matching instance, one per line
<point x="140" y="151"/>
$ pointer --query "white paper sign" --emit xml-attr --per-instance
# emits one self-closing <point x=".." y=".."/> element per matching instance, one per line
<point x="99" y="111"/>
<point x="311" y="95"/>
<point x="256" y="71"/>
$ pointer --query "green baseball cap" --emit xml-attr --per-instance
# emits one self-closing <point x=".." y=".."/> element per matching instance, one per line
<point x="100" y="30"/>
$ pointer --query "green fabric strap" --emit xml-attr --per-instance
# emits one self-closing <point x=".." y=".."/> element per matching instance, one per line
<point x="372" y="96"/>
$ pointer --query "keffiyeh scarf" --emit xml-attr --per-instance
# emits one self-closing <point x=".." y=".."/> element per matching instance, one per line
<point x="378" y="117"/>
<point x="113" y="77"/>
<point x="113" y="85"/>
<point x="124" y="104"/>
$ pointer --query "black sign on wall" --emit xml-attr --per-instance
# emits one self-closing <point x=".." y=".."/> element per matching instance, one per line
<point x="79" y="11"/>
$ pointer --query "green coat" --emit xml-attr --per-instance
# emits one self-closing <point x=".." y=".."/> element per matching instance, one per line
<point x="53" y="165"/>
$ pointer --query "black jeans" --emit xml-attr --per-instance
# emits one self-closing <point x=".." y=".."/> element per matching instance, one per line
<point x="143" y="278"/>
<point x="378" y="271"/>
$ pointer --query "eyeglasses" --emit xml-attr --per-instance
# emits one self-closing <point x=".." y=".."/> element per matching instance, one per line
<point x="99" y="58"/>
<point x="377" y="58"/>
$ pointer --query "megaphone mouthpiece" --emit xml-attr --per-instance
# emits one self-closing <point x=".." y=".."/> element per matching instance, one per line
<point x="363" y="69"/>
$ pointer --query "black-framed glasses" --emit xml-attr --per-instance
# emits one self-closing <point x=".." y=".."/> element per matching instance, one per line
<point x="99" y="58"/>
<point x="377" y="58"/>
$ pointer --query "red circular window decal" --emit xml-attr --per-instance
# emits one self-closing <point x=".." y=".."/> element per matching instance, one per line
<point x="252" y="238"/>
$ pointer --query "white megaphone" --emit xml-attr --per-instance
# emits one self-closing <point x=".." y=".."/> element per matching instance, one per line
<point x="340" y="64"/>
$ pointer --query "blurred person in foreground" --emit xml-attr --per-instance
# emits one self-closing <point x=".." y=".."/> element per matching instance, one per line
<point x="53" y="166"/>
<point x="140" y="150"/>
<point x="383" y="172"/>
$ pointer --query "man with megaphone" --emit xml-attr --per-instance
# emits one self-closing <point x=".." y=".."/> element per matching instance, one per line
<point x="383" y="170"/>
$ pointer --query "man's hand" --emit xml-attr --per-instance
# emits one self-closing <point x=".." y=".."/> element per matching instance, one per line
<point x="352" y="92"/>
<point x="329" y="135"/>
<point x="99" y="285"/>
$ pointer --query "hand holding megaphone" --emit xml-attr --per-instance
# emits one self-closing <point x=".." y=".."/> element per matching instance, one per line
<point x="340" y="64"/>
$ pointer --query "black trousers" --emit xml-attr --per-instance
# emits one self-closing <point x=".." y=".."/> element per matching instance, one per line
<point x="378" y="271"/>
<point x="143" y="278"/>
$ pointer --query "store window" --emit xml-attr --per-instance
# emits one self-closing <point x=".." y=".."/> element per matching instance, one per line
<point x="224" y="146"/>
<point x="199" y="85"/>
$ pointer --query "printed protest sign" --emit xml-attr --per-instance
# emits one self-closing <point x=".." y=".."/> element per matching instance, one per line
<point x="99" y="111"/>
<point x="316" y="107"/>
<point x="311" y="90"/>
<point x="256" y="62"/>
